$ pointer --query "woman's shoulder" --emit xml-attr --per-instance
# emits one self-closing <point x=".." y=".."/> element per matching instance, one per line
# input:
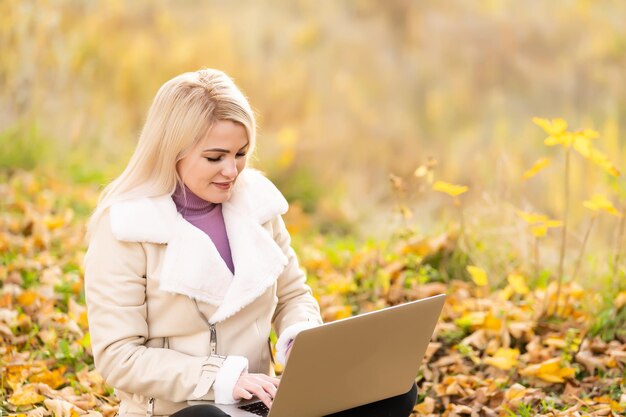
<point x="146" y="219"/>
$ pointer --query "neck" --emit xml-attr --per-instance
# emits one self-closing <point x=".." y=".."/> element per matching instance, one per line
<point x="189" y="204"/>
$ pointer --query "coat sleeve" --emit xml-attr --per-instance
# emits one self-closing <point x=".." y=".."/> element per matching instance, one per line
<point x="115" y="290"/>
<point x="297" y="309"/>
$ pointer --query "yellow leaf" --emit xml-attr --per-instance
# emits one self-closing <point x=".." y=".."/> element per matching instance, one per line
<point x="532" y="218"/>
<point x="553" y="223"/>
<point x="549" y="371"/>
<point x="471" y="319"/>
<point x="588" y="134"/>
<point x="552" y="141"/>
<point x="492" y="323"/>
<point x="27" y="298"/>
<point x="53" y="379"/>
<point x="516" y="391"/>
<point x="54" y="222"/>
<point x="599" y="202"/>
<point x="342" y="312"/>
<point x="617" y="407"/>
<point x="586" y="149"/>
<point x="479" y="276"/>
<point x="554" y="127"/>
<point x="564" y="139"/>
<point x="539" y="222"/>
<point x="504" y="358"/>
<point x="539" y="231"/>
<point x="518" y="283"/>
<point x="450" y="189"/>
<point x="537" y="166"/>
<point x="26" y="395"/>
<point x="605" y="399"/>
<point x="506" y="293"/>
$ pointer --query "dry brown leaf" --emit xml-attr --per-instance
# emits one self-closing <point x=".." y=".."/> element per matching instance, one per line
<point x="62" y="408"/>
<point x="38" y="412"/>
<point x="589" y="361"/>
<point x="460" y="409"/>
<point x="425" y="407"/>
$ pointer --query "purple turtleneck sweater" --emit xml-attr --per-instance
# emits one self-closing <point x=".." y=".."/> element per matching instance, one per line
<point x="207" y="217"/>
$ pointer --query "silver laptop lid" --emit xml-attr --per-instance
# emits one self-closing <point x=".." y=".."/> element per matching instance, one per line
<point x="358" y="360"/>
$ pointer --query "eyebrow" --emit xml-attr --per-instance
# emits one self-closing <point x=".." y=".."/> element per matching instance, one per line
<point x="224" y="150"/>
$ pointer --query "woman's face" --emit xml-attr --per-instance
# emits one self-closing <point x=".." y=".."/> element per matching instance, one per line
<point x="212" y="166"/>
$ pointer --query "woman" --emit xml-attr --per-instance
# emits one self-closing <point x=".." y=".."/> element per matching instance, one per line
<point x="189" y="262"/>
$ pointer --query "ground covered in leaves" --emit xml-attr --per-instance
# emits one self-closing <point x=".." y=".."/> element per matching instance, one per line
<point x="496" y="350"/>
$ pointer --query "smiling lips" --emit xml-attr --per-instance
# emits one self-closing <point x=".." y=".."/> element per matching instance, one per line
<point x="223" y="185"/>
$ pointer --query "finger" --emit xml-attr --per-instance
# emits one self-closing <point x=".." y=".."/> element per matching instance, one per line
<point x="267" y="399"/>
<point x="254" y="388"/>
<point x="242" y="393"/>
<point x="269" y="388"/>
<point x="275" y="381"/>
<point x="260" y="393"/>
<point x="267" y="383"/>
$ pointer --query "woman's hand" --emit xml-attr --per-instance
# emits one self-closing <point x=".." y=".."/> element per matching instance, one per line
<point x="263" y="386"/>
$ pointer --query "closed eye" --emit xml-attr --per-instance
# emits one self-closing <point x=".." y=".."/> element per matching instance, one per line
<point x="219" y="158"/>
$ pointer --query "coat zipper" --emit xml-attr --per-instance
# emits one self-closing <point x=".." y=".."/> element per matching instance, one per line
<point x="213" y="339"/>
<point x="212" y="329"/>
<point x="150" y="409"/>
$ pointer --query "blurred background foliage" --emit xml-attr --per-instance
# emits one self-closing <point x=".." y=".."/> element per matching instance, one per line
<point x="402" y="133"/>
<point x="346" y="93"/>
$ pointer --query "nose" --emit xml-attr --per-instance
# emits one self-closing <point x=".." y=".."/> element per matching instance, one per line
<point x="230" y="169"/>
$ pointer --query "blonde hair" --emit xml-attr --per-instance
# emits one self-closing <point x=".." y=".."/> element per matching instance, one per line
<point x="183" y="111"/>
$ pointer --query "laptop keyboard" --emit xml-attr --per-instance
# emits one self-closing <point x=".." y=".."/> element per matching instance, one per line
<point x="257" y="408"/>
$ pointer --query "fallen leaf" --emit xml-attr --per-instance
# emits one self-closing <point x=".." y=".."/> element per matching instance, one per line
<point x="504" y="358"/>
<point x="518" y="283"/>
<point x="425" y="407"/>
<point x="549" y="371"/>
<point x="479" y="276"/>
<point x="26" y="395"/>
<point x="54" y="379"/>
<point x="62" y="408"/>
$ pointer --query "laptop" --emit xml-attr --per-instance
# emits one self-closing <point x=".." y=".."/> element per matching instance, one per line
<point x="350" y="362"/>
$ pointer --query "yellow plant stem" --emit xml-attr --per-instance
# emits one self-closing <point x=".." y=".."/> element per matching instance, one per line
<point x="618" y="245"/>
<point x="580" y="256"/>
<point x="568" y="152"/>
<point x="461" y="240"/>
<point x="582" y="247"/>
<point x="536" y="256"/>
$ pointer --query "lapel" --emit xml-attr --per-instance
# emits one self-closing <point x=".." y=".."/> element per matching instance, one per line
<point x="192" y="266"/>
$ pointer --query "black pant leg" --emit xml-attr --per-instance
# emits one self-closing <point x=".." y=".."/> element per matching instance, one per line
<point x="398" y="406"/>
<point x="200" y="410"/>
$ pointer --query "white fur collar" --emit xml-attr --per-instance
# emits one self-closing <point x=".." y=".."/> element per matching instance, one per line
<point x="192" y="266"/>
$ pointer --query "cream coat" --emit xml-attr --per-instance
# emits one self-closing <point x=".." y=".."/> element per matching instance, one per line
<point x="146" y="265"/>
